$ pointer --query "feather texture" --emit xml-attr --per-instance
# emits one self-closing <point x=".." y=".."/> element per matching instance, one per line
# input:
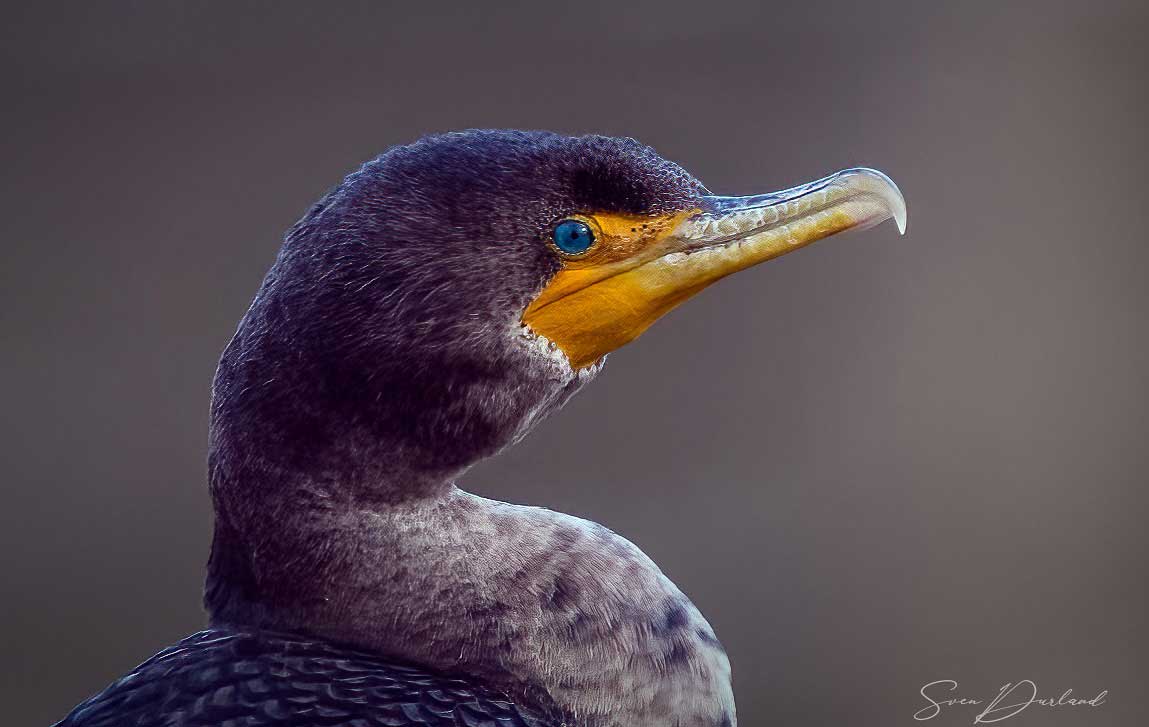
<point x="241" y="678"/>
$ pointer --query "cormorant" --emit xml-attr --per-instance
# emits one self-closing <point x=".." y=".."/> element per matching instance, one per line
<point x="424" y="315"/>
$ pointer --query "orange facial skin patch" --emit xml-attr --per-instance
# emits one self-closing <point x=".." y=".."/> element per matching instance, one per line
<point x="591" y="306"/>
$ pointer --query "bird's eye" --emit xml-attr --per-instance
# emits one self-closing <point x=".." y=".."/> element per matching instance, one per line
<point x="573" y="237"/>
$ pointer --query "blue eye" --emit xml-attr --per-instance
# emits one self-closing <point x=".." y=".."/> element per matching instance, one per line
<point x="573" y="237"/>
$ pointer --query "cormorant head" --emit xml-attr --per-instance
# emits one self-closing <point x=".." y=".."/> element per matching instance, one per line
<point x="452" y="292"/>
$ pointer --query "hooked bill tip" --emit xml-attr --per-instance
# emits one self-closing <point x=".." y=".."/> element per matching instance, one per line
<point x="871" y="181"/>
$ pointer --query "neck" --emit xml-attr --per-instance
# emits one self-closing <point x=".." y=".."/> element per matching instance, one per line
<point x="555" y="610"/>
<point x="337" y="516"/>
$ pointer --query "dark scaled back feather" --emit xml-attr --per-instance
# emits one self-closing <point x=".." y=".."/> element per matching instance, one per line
<point x="238" y="678"/>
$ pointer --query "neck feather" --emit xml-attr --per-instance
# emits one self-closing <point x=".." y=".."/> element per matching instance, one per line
<point x="555" y="610"/>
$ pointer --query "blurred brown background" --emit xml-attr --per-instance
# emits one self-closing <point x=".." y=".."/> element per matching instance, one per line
<point x="875" y="463"/>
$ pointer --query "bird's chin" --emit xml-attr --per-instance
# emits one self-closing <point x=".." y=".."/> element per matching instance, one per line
<point x="554" y="360"/>
<point x="546" y="378"/>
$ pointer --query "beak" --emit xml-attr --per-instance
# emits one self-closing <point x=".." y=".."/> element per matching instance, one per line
<point x="607" y="299"/>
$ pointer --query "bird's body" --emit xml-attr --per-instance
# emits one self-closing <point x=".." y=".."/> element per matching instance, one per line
<point x="536" y="604"/>
<point x="427" y="314"/>
<point x="572" y="583"/>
